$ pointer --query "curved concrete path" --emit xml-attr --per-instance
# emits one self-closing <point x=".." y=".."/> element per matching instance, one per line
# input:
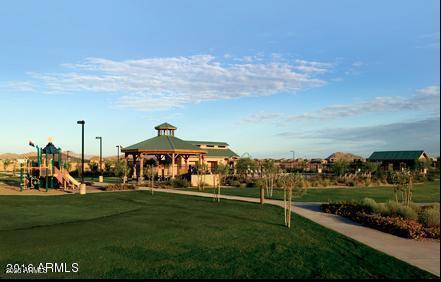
<point x="423" y="254"/>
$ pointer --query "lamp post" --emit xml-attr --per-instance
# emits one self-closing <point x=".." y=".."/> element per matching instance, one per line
<point x="101" y="157"/>
<point x="83" y="186"/>
<point x="117" y="151"/>
<point x="293" y="157"/>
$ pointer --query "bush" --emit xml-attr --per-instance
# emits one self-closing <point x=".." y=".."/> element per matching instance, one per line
<point x="429" y="216"/>
<point x="407" y="212"/>
<point x="235" y="183"/>
<point x="251" y="184"/>
<point x="118" y="187"/>
<point x="179" y="183"/>
<point x="369" y="203"/>
<point x="392" y="207"/>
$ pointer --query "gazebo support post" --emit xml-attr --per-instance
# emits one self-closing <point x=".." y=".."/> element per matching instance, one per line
<point x="125" y="170"/>
<point x="173" y="166"/>
<point x="141" y="168"/>
<point x="134" y="167"/>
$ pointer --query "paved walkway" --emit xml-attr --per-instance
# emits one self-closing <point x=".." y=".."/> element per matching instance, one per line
<point x="423" y="254"/>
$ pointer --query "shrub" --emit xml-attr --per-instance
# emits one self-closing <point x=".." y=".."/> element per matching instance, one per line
<point x="179" y="183"/>
<point x="392" y="207"/>
<point x="251" y="184"/>
<point x="429" y="216"/>
<point x="117" y="187"/>
<point x="235" y="183"/>
<point x="407" y="212"/>
<point x="393" y="225"/>
<point x="369" y="203"/>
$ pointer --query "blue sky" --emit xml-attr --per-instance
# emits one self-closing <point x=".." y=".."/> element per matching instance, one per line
<point x="265" y="76"/>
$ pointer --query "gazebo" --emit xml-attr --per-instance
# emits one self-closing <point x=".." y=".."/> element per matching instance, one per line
<point x="164" y="146"/>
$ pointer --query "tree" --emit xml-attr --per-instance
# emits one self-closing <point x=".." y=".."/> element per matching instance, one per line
<point x="244" y="165"/>
<point x="340" y="167"/>
<point x="371" y="167"/>
<point x="94" y="168"/>
<point x="422" y="165"/>
<point x="290" y="183"/>
<point x="403" y="184"/>
<point x="222" y="170"/>
<point x="269" y="173"/>
<point x="121" y="168"/>
<point x="6" y="163"/>
<point x="201" y="169"/>
<point x="108" y="165"/>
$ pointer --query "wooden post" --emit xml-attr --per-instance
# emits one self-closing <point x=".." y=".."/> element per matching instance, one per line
<point x="125" y="170"/>
<point x="141" y="168"/>
<point x="173" y="166"/>
<point x="134" y="166"/>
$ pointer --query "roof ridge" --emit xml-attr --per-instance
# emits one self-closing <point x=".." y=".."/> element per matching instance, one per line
<point x="172" y="144"/>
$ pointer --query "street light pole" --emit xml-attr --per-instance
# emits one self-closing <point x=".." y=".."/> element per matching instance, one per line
<point x="293" y="157"/>
<point x="101" y="157"/>
<point x="117" y="151"/>
<point x="101" y="153"/>
<point x="82" y="122"/>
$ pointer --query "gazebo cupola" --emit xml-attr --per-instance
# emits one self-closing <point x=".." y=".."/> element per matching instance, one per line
<point x="166" y="129"/>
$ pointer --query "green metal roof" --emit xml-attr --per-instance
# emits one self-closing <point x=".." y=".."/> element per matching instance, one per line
<point x="207" y="143"/>
<point x="396" y="155"/>
<point x="220" y="153"/>
<point x="165" y="126"/>
<point x="163" y="142"/>
<point x="50" y="149"/>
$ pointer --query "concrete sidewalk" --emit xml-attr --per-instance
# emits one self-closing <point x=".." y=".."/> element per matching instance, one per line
<point x="424" y="254"/>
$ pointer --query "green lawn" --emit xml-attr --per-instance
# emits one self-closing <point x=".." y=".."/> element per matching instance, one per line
<point x="423" y="193"/>
<point x="139" y="235"/>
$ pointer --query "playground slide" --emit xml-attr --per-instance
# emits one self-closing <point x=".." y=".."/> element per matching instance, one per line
<point x="72" y="180"/>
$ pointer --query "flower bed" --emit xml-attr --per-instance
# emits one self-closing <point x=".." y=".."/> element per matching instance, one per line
<point x="117" y="187"/>
<point x="384" y="217"/>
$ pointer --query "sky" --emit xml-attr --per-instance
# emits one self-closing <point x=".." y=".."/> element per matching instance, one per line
<point x="267" y="77"/>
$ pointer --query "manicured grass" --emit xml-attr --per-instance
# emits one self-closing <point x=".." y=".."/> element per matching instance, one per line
<point x="423" y="193"/>
<point x="139" y="235"/>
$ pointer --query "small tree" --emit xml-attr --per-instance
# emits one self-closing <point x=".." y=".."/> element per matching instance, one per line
<point x="108" y="165"/>
<point x="94" y="168"/>
<point x="6" y="163"/>
<point x="269" y="174"/>
<point x="371" y="167"/>
<point x="201" y="172"/>
<point x="403" y="184"/>
<point x="340" y="167"/>
<point x="244" y="165"/>
<point x="121" y="169"/>
<point x="222" y="170"/>
<point x="290" y="183"/>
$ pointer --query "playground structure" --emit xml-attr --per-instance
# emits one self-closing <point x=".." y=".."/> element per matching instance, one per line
<point x="46" y="172"/>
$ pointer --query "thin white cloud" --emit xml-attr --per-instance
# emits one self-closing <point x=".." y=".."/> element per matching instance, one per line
<point x="164" y="83"/>
<point x="425" y="99"/>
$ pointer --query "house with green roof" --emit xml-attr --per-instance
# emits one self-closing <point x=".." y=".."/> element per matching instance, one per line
<point x="398" y="160"/>
<point x="176" y="156"/>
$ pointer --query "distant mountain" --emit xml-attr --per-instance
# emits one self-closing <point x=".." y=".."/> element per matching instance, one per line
<point x="72" y="156"/>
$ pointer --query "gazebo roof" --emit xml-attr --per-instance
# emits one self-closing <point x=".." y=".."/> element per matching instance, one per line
<point x="50" y="149"/>
<point x="164" y="143"/>
<point x="165" y="126"/>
